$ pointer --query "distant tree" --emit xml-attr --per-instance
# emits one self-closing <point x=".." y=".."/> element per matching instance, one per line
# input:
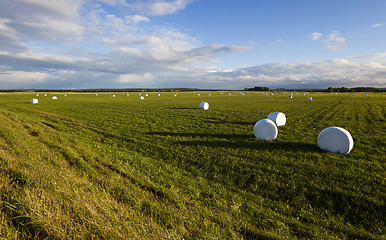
<point x="257" y="89"/>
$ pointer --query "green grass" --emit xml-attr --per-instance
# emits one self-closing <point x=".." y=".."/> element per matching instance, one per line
<point x="87" y="166"/>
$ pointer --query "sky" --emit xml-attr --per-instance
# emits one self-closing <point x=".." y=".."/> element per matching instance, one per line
<point x="207" y="44"/>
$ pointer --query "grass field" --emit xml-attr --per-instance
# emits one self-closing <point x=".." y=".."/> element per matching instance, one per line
<point x="97" y="167"/>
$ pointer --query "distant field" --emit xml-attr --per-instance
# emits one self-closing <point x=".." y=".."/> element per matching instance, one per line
<point x="86" y="166"/>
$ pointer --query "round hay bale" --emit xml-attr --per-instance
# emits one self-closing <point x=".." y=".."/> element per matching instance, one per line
<point x="141" y="97"/>
<point x="335" y="140"/>
<point x="146" y="95"/>
<point x="290" y="96"/>
<point x="159" y="94"/>
<point x="54" y="97"/>
<point x="37" y="95"/>
<point x="310" y="99"/>
<point x="265" y="129"/>
<point x="34" y="100"/>
<point x="278" y="118"/>
<point x="204" y="105"/>
<point x="113" y="95"/>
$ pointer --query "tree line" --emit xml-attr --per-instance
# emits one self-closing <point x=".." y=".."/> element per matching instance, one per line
<point x="329" y="89"/>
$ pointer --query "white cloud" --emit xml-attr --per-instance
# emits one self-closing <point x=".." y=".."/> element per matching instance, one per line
<point x="136" y="19"/>
<point x="335" y="42"/>
<point x="343" y="62"/>
<point x="7" y="31"/>
<point x="377" y="25"/>
<point x="135" y="78"/>
<point x="157" y="8"/>
<point x="65" y="8"/>
<point x="315" y="35"/>
<point x="22" y="77"/>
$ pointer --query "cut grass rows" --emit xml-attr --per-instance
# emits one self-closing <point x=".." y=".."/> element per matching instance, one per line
<point x="149" y="169"/>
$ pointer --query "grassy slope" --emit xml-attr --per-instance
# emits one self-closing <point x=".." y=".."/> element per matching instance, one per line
<point x="95" y="166"/>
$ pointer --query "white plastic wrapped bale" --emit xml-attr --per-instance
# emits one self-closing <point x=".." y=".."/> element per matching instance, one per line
<point x="335" y="140"/>
<point x="159" y="94"/>
<point x="278" y="118"/>
<point x="290" y="96"/>
<point x="310" y="99"/>
<point x="54" y="97"/>
<point x="141" y="97"/>
<point x="113" y="95"/>
<point x="34" y="100"/>
<point x="265" y="129"/>
<point x="204" y="105"/>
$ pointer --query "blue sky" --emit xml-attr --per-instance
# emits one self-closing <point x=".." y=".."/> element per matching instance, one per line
<point x="192" y="43"/>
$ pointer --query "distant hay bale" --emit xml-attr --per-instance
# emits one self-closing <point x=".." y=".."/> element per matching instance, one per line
<point x="54" y="97"/>
<point x="290" y="96"/>
<point x="127" y="94"/>
<point x="335" y="140"/>
<point x="37" y="95"/>
<point x="204" y="105"/>
<point x="141" y="97"/>
<point x="278" y="118"/>
<point x="159" y="94"/>
<point x="113" y="95"/>
<point x="34" y="100"/>
<point x="175" y="95"/>
<point x="265" y="129"/>
<point x="45" y="95"/>
<point x="146" y="95"/>
<point x="310" y="99"/>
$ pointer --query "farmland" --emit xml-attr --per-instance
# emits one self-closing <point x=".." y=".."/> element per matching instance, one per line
<point x="97" y="166"/>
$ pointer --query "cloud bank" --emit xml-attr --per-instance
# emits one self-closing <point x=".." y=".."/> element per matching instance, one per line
<point x="81" y="44"/>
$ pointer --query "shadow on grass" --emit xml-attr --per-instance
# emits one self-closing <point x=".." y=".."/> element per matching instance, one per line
<point x="271" y="145"/>
<point x="234" y="141"/>
<point x="206" y="135"/>
<point x="184" y="108"/>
